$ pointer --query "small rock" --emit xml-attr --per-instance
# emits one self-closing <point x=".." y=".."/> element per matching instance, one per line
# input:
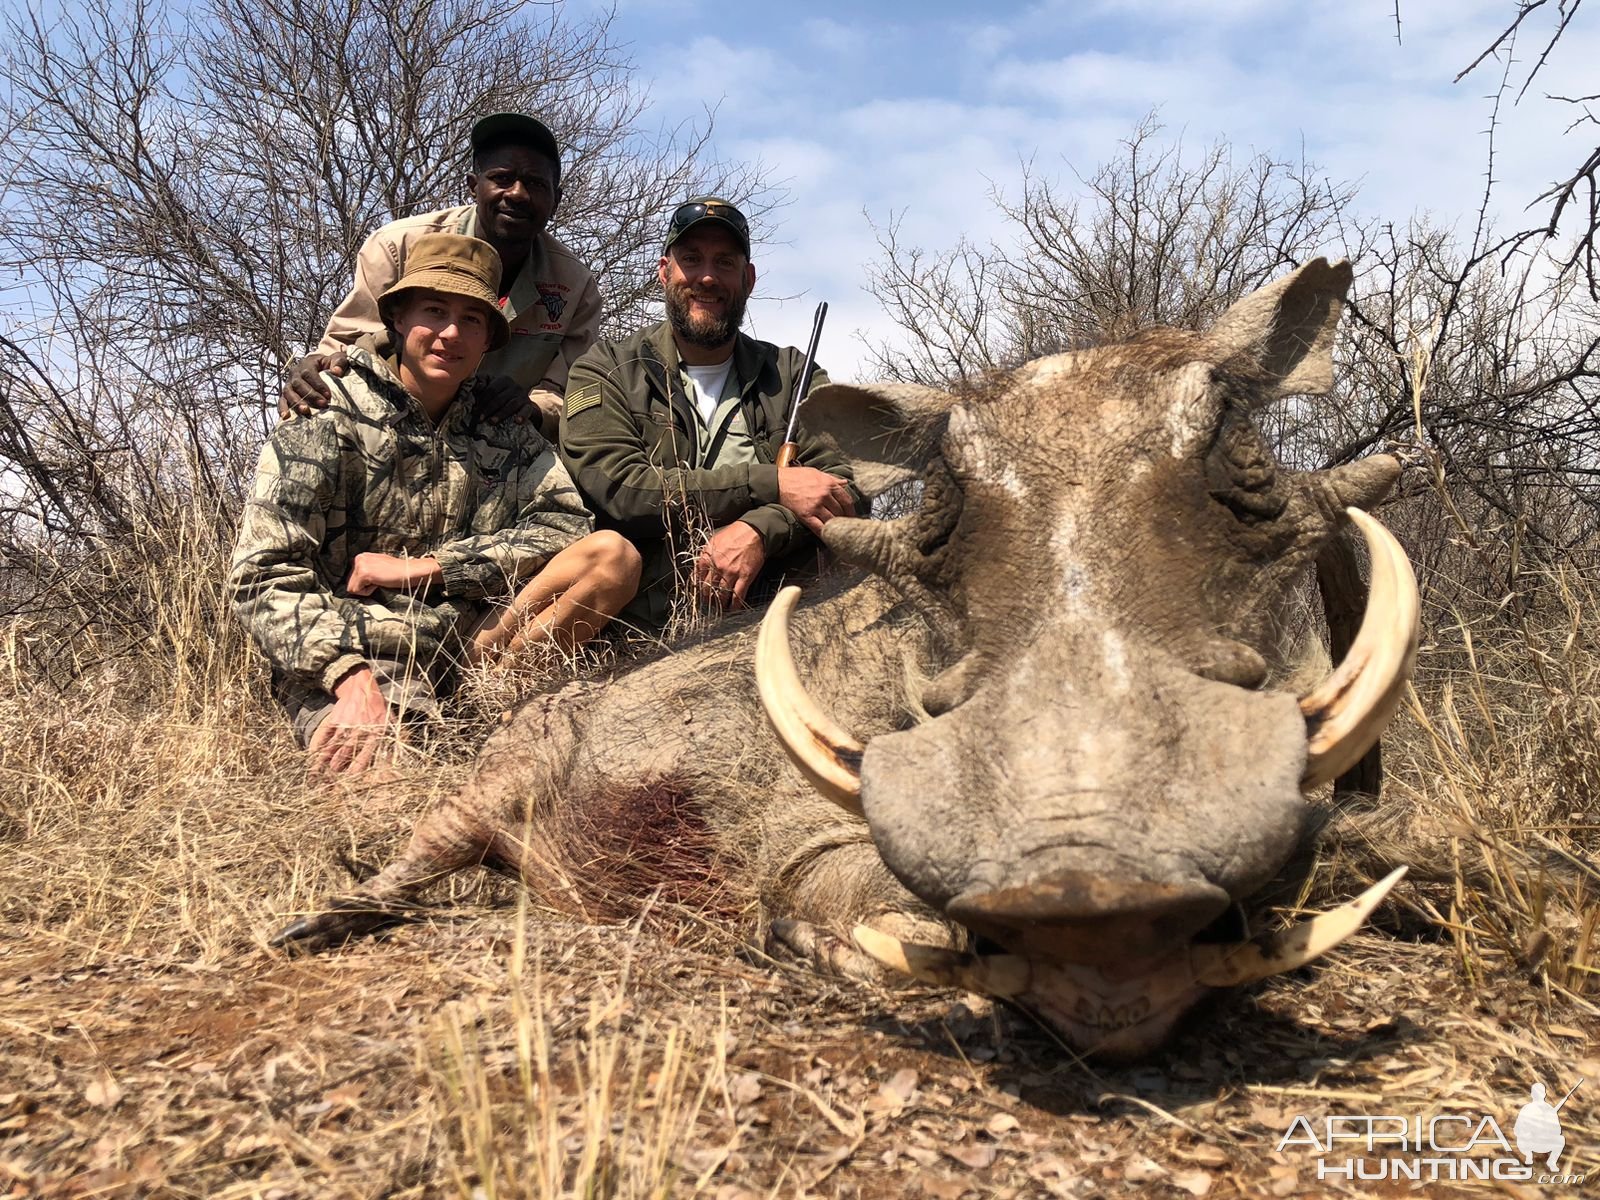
<point x="103" y="1091"/>
<point x="941" y="1187"/>
<point x="1142" y="1170"/>
<point x="746" y="1088"/>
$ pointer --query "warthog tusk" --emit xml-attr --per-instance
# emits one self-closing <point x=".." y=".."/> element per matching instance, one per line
<point x="1008" y="975"/>
<point x="1001" y="975"/>
<point x="1349" y="709"/>
<point x="827" y="756"/>
<point x="1275" y="953"/>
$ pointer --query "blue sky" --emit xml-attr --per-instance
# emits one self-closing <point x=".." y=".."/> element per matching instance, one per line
<point x="869" y="110"/>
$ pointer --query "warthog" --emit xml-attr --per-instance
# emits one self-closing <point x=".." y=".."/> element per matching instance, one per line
<point x="1042" y="714"/>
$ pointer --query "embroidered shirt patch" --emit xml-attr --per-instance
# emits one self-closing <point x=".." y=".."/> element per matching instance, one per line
<point x="588" y="396"/>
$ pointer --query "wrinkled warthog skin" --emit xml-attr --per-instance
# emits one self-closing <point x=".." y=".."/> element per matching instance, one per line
<point x="1060" y="665"/>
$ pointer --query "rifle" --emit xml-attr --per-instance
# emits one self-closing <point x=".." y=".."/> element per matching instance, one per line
<point x="787" y="451"/>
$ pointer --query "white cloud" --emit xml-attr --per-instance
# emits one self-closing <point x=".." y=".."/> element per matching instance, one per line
<point x="1213" y="12"/>
<point x="755" y="84"/>
<point x="920" y="119"/>
<point x="1098" y="81"/>
<point x="989" y="41"/>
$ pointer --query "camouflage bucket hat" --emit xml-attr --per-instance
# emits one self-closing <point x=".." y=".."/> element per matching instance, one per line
<point x="459" y="265"/>
<point x="704" y="209"/>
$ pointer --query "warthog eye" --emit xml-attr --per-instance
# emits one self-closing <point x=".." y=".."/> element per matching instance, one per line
<point x="1241" y="473"/>
<point x="941" y="508"/>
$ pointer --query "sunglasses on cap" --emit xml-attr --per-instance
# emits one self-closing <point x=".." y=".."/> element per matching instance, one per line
<point x="686" y="215"/>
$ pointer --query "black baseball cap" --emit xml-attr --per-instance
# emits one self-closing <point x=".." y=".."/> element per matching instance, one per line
<point x="518" y="129"/>
<point x="702" y="209"/>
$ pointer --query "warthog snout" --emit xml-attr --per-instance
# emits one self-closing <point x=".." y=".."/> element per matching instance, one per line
<point x="1079" y="916"/>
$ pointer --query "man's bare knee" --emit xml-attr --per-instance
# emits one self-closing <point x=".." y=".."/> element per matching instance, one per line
<point x="611" y="557"/>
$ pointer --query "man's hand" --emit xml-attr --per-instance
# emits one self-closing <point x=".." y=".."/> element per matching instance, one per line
<point x="550" y="405"/>
<point x="499" y="399"/>
<point x="814" y="496"/>
<point x="303" y="390"/>
<point x="729" y="564"/>
<point x="353" y="733"/>
<point x="370" y="571"/>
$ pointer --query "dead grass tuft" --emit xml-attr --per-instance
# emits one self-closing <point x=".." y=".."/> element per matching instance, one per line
<point x="539" y="1097"/>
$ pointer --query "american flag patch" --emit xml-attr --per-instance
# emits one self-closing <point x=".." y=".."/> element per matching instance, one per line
<point x="588" y="396"/>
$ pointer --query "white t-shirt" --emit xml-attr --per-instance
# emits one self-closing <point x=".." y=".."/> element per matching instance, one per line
<point x="706" y="385"/>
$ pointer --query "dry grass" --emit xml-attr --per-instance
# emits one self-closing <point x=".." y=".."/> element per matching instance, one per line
<point x="158" y="827"/>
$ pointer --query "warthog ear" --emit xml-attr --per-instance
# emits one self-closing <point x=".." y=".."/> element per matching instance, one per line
<point x="888" y="431"/>
<point x="1283" y="333"/>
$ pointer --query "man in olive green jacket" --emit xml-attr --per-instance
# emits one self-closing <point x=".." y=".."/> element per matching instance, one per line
<point x="673" y="433"/>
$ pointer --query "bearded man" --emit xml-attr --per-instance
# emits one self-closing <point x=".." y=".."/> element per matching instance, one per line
<point x="673" y="434"/>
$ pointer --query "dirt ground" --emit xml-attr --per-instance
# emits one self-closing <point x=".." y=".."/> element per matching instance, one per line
<point x="495" y="1050"/>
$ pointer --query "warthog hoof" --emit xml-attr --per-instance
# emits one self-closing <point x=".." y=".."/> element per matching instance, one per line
<point x="343" y="920"/>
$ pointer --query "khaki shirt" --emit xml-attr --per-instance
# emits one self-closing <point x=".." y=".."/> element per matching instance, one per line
<point x="553" y="308"/>
<point x="492" y="503"/>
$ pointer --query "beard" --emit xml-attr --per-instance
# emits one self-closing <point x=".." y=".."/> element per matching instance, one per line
<point x="706" y="332"/>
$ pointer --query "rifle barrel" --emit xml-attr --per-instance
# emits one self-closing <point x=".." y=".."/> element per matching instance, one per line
<point x="803" y="387"/>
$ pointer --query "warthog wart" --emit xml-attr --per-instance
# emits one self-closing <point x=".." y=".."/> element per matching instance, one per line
<point x="1040" y="718"/>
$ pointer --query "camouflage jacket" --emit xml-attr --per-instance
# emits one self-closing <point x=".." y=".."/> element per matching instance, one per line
<point x="628" y="435"/>
<point x="553" y="306"/>
<point x="492" y="503"/>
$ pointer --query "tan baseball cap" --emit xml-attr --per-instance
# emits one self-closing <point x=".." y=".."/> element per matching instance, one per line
<point x="459" y="265"/>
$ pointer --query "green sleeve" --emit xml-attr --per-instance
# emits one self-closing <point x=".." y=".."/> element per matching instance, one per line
<point x="782" y="533"/>
<point x="608" y="454"/>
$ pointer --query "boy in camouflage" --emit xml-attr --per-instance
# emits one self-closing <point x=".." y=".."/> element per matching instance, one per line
<point x="396" y="535"/>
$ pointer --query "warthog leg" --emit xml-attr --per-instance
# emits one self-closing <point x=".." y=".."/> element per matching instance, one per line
<point x="825" y="953"/>
<point x="522" y="762"/>
<point x="446" y="840"/>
